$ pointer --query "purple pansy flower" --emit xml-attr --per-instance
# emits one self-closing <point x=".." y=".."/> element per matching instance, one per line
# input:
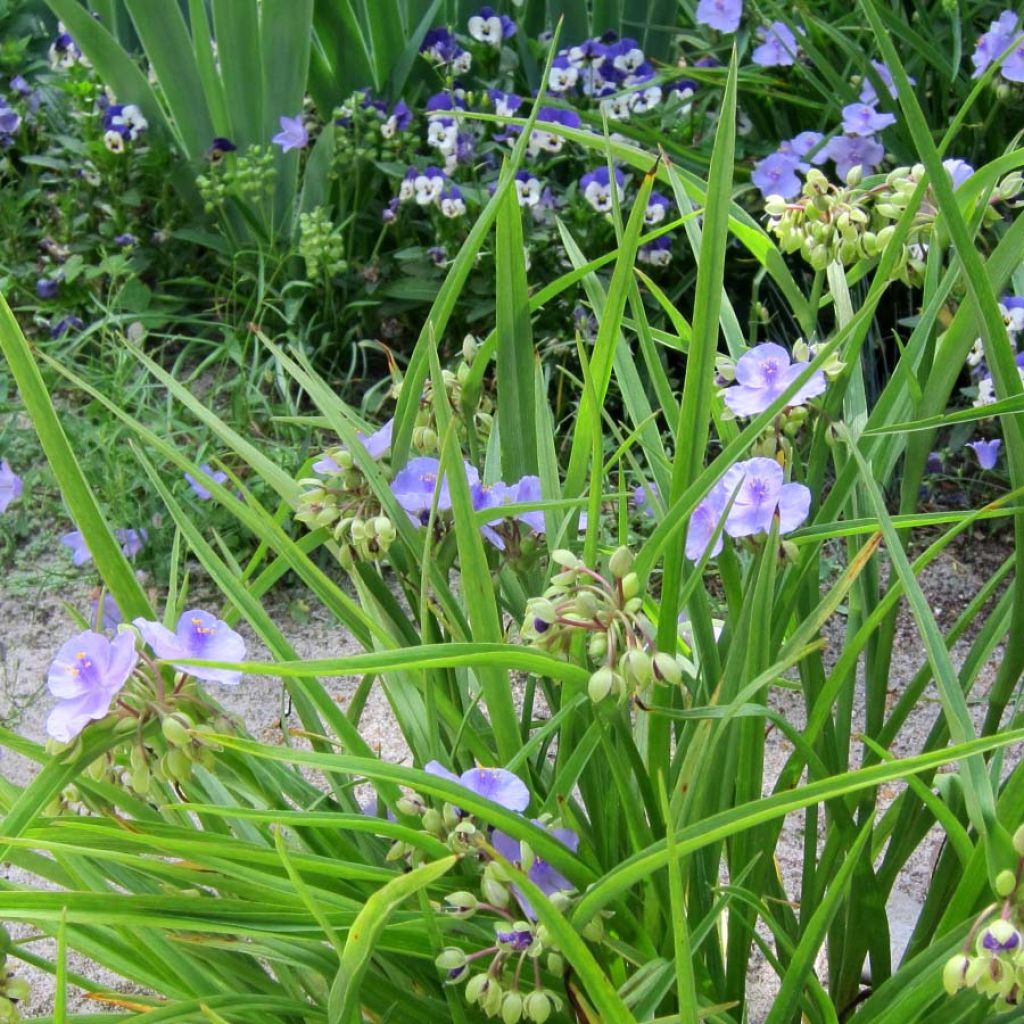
<point x="86" y="675"/>
<point x="849" y="151"/>
<point x="723" y="15"/>
<point x="626" y="56"/>
<point x="441" y="46"/>
<point x="505" y="103"/>
<point x="863" y="119"/>
<point x="494" y="784"/>
<point x="198" y="635"/>
<point x="219" y="148"/>
<point x="778" y="46"/>
<point x="528" y="188"/>
<point x="19" y="83"/>
<point x="10" y="486"/>
<point x="47" y="287"/>
<point x="10" y="119"/>
<point x="658" y="252"/>
<point x="64" y="324"/>
<point x="763" y="373"/>
<point x="488" y="27"/>
<point x="599" y="188"/>
<point x="293" y="134"/>
<point x="547" y="141"/>
<point x="776" y="175"/>
<point x="540" y="872"/>
<point x="657" y="210"/>
<point x="563" y="75"/>
<point x="218" y="476"/>
<point x="987" y="452"/>
<point x="934" y="463"/>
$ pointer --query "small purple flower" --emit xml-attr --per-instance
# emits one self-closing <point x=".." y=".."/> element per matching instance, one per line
<point x="86" y="676"/>
<point x="494" y="784"/>
<point x="414" y="485"/>
<point x="644" y="497"/>
<point x="518" y="940"/>
<point x="867" y="89"/>
<point x="218" y="476"/>
<point x="125" y="240"/>
<point x="293" y="134"/>
<point x="599" y="188"/>
<point x="723" y="15"/>
<point x="440" y="46"/>
<point x="849" y="151"/>
<point x="10" y="486"/>
<point x="451" y="202"/>
<point x="10" y="119"/>
<point x="377" y="443"/>
<point x="488" y="27"/>
<point x="198" y="635"/>
<point x="131" y="541"/>
<point x="64" y="324"/>
<point x="541" y="873"/>
<point x="863" y="119"/>
<point x="987" y="452"/>
<point x="438" y="255"/>
<point x="760" y="495"/>
<point x="485" y="497"/>
<point x="704" y="521"/>
<point x="934" y="463"/>
<point x="505" y="103"/>
<point x="999" y="937"/>
<point x="800" y="145"/>
<point x="106" y="616"/>
<point x="75" y="542"/>
<point x="1000" y="36"/>
<point x="527" y="489"/>
<point x="778" y="46"/>
<point x="776" y="175"/>
<point x="658" y="253"/>
<point x="589" y="54"/>
<point x="958" y="170"/>
<point x="19" y="84"/>
<point x="47" y="287"/>
<point x="626" y="56"/>
<point x="763" y="373"/>
<point x="563" y="75"/>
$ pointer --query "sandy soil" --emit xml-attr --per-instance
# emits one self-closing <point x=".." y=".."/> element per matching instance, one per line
<point x="33" y="622"/>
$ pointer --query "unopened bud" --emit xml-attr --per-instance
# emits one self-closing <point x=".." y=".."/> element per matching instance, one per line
<point x="954" y="972"/>
<point x="1018" y="841"/>
<point x="511" y="1008"/>
<point x="451" y="958"/>
<point x="600" y="684"/>
<point x="1006" y="882"/>
<point x="462" y="902"/>
<point x="537" y="1007"/>
<point x="620" y="562"/>
<point x="666" y="669"/>
<point x="175" y="728"/>
<point x="630" y="585"/>
<point x="494" y="892"/>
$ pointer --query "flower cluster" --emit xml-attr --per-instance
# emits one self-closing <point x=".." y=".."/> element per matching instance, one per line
<point x="995" y="965"/>
<point x="519" y="941"/>
<point x="608" y="610"/>
<point x="321" y="245"/>
<point x="246" y="176"/>
<point x="850" y="223"/>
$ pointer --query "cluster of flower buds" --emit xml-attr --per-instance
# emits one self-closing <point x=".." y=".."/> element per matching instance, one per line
<point x="849" y="223"/>
<point x="516" y="943"/>
<point x="321" y="245"/>
<point x="340" y="500"/>
<point x="249" y="176"/>
<point x="366" y="129"/>
<point x="994" y="967"/>
<point x="13" y="990"/>
<point x="481" y="414"/>
<point x="621" y="641"/>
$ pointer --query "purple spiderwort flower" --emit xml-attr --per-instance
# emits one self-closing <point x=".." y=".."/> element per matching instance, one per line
<point x="644" y="497"/>
<point x="105" y="616"/>
<point x="763" y="373"/>
<point x="541" y="873"/>
<point x="527" y="489"/>
<point x="598" y="187"/>
<point x="760" y="496"/>
<point x="489" y="496"/>
<point x="488" y="27"/>
<point x="987" y="452"/>
<point x="10" y="119"/>
<point x="414" y="484"/>
<point x="197" y="635"/>
<point x="218" y="476"/>
<point x="494" y="784"/>
<point x="723" y="15"/>
<point x="47" y="287"/>
<point x="849" y="151"/>
<point x="867" y="89"/>
<point x="125" y="240"/>
<point x="958" y="170"/>
<point x="10" y="486"/>
<point x="293" y="134"/>
<point x="131" y="541"/>
<point x="704" y="522"/>
<point x="776" y="175"/>
<point x="19" y="84"/>
<point x="934" y="463"/>
<point x="86" y="676"/>
<point x="75" y="542"/>
<point x="778" y="46"/>
<point x="863" y="119"/>
<point x="1001" y="34"/>
<point x="999" y="937"/>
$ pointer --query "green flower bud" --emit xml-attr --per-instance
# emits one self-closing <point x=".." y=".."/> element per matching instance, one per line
<point x="954" y="972"/>
<point x="621" y="562"/>
<point x="565" y="558"/>
<point x="630" y="585"/>
<point x="411" y="804"/>
<point x="597" y="646"/>
<point x="635" y="666"/>
<point x="494" y="892"/>
<point x="600" y="684"/>
<point x="775" y="206"/>
<point x="537" y="1007"/>
<point x="666" y="669"/>
<point x="594" y="929"/>
<point x="475" y="988"/>
<point x="451" y="958"/>
<point x="1006" y="882"/>
<point x="462" y="902"/>
<point x="17" y="989"/>
<point x="433" y="822"/>
<point x="1018" y="841"/>
<point x="175" y="728"/>
<point x="491" y="1001"/>
<point x="469" y="348"/>
<point x="511" y="1008"/>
